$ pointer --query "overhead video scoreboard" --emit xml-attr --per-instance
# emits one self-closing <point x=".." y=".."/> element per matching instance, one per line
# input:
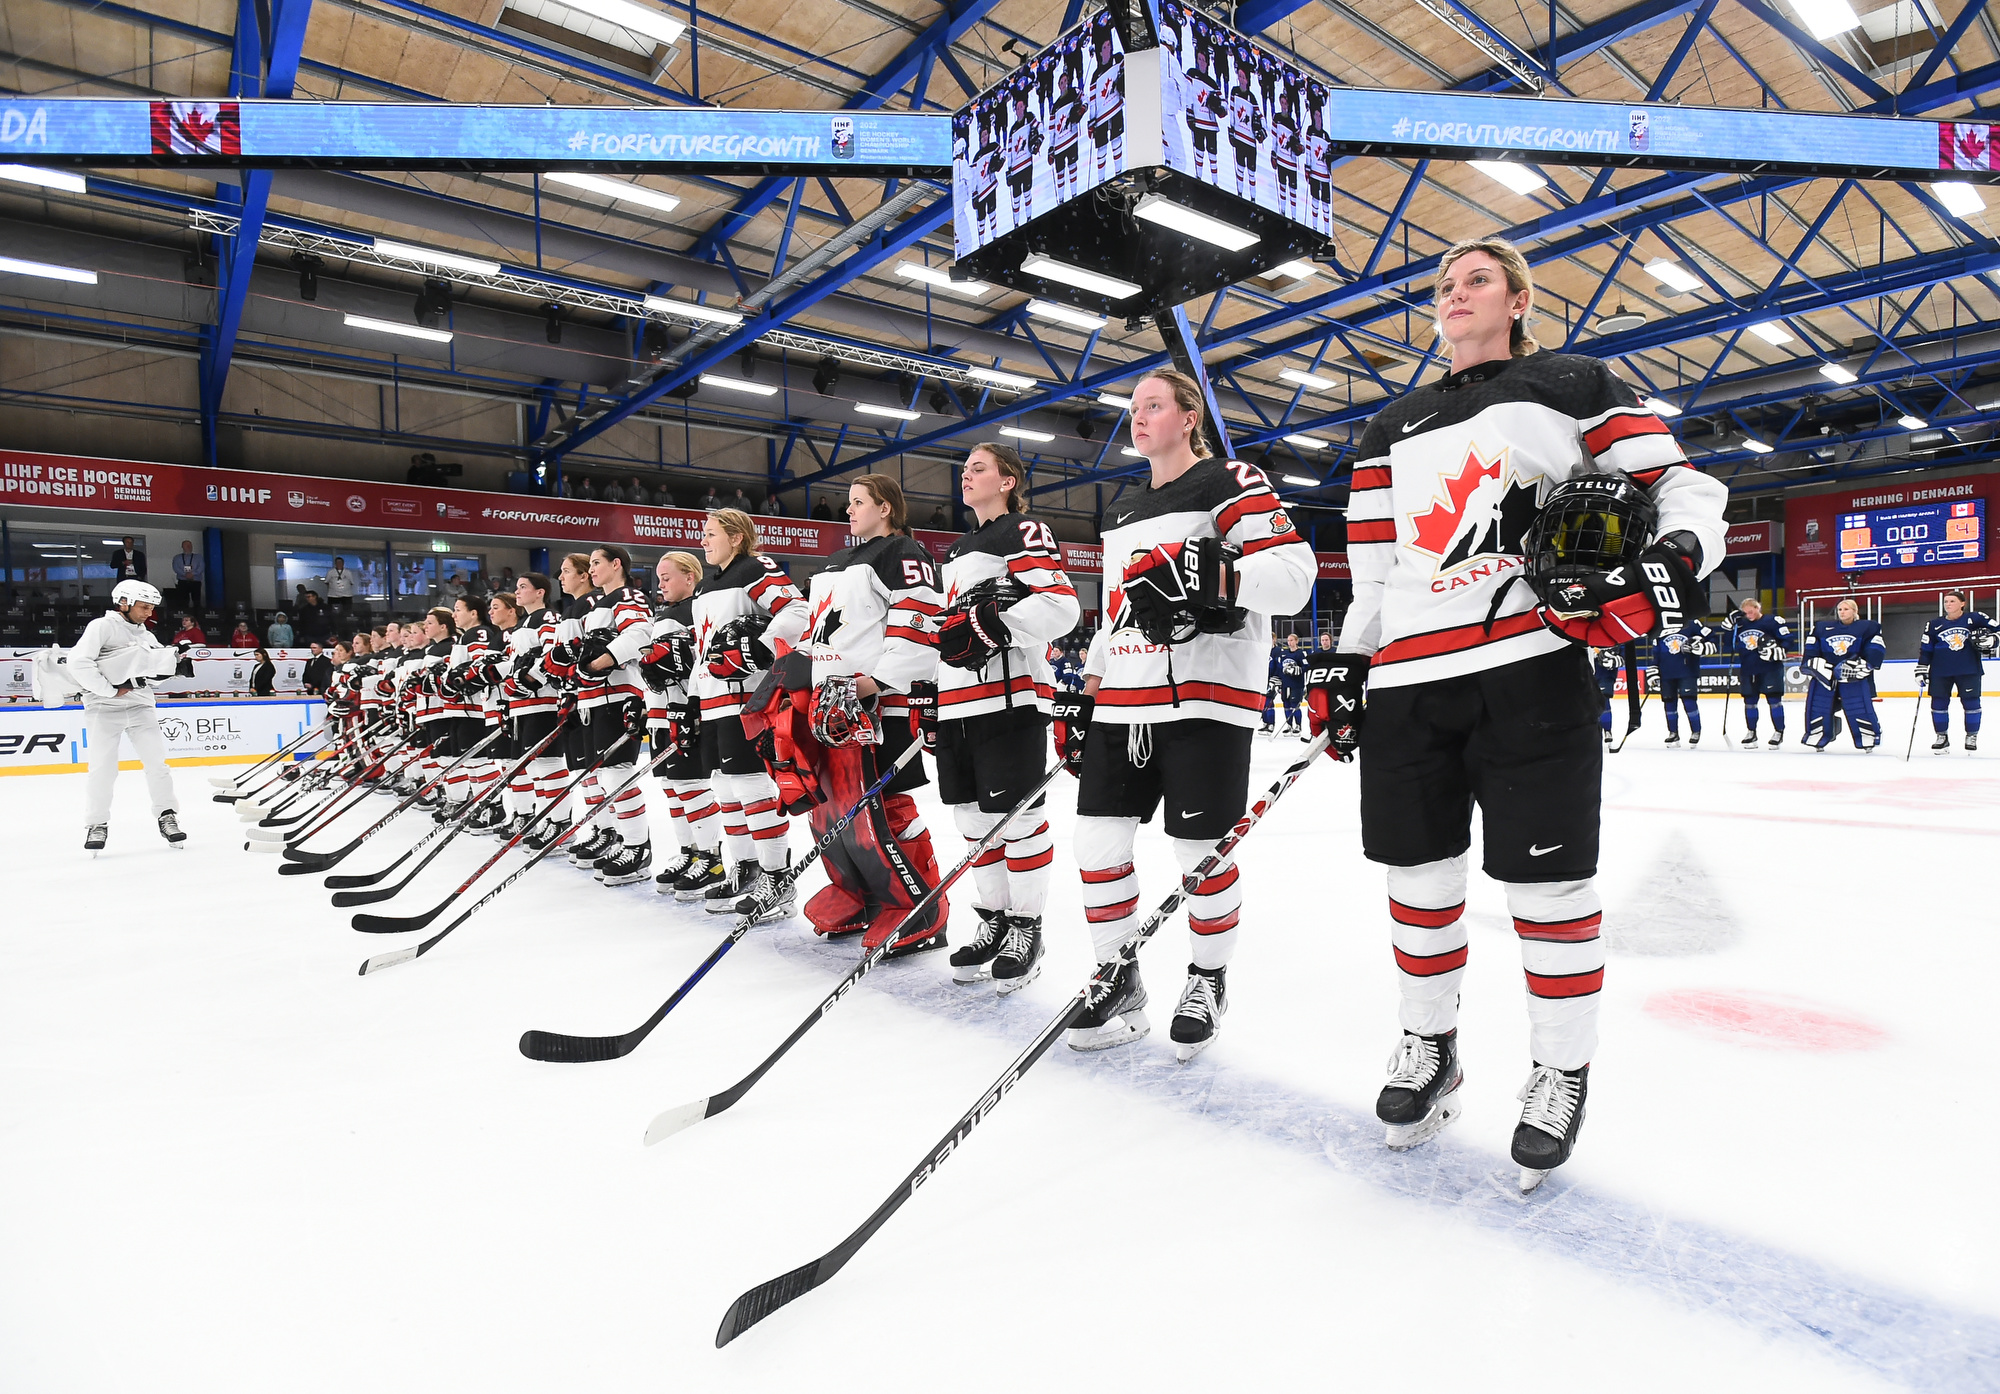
<point x="1936" y="534"/>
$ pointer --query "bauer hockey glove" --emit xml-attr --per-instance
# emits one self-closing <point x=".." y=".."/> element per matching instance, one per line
<point x="923" y="714"/>
<point x="970" y="638"/>
<point x="1168" y="588"/>
<point x="1607" y="608"/>
<point x="1336" y="703"/>
<point x="1072" y="712"/>
<point x="736" y="652"/>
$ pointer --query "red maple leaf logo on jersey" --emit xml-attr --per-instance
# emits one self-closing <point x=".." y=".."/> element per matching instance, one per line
<point x="1436" y="528"/>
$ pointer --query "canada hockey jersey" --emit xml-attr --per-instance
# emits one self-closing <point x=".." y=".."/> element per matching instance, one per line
<point x="872" y="609"/>
<point x="1218" y="677"/>
<point x="1949" y="648"/>
<point x="1449" y="478"/>
<point x="1021" y="549"/>
<point x="673" y="627"/>
<point x="753" y="584"/>
<point x="528" y="690"/>
<point x="1065" y="119"/>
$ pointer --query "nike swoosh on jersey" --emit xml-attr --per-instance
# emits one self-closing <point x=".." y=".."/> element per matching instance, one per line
<point x="1543" y="851"/>
<point x="1411" y="426"/>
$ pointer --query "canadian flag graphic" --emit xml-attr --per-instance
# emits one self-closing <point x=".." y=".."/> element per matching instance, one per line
<point x="197" y="128"/>
<point x="1965" y="145"/>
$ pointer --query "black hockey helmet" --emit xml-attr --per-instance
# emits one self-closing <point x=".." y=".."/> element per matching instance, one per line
<point x="1589" y="525"/>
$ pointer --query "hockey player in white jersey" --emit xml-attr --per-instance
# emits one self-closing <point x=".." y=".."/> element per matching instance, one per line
<point x="1476" y="692"/>
<point x="1194" y="566"/>
<point x="114" y="663"/>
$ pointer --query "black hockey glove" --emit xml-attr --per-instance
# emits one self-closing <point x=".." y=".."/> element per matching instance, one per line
<point x="525" y="661"/>
<point x="1923" y="677"/>
<point x="1987" y="641"/>
<point x="1072" y="712"/>
<point x="970" y="638"/>
<point x="593" y="647"/>
<point x="1610" y="608"/>
<point x="635" y="717"/>
<point x="1336" y="702"/>
<point x="736" y="652"/>
<point x="923" y="714"/>
<point x="1181" y="589"/>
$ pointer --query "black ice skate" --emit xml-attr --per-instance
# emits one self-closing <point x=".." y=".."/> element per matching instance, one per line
<point x="1749" y="742"/>
<point x="490" y="818"/>
<point x="703" y="875"/>
<point x="1198" y="1018"/>
<point x="768" y="897"/>
<point x="1673" y="738"/>
<point x="541" y="837"/>
<point x="626" y="863"/>
<point x="1943" y="742"/>
<point x="1421" y="1098"/>
<point x="95" y="837"/>
<point x="676" y="869"/>
<point x="1694" y="739"/>
<point x="1777" y="739"/>
<point x="974" y="962"/>
<point x="1971" y="741"/>
<point x="1115" y="1013"/>
<point x="721" y="898"/>
<point x="584" y="852"/>
<point x="170" y="829"/>
<point x="1551" y="1116"/>
<point x="1019" y="961"/>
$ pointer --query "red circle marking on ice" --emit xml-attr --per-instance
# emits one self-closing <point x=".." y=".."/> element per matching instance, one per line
<point x="1757" y="1019"/>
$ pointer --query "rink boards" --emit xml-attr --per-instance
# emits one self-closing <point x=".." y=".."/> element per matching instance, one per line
<point x="36" y="740"/>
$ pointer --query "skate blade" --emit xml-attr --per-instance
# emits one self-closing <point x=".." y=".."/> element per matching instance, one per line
<point x="1185" y="1051"/>
<point x="972" y="974"/>
<point x="623" y="880"/>
<point x="1003" y="986"/>
<point x="1531" y="1178"/>
<point x="1401" y="1137"/>
<point x="1125" y="1029"/>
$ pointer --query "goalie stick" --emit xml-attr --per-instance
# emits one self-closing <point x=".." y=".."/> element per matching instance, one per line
<point x="555" y="1047"/>
<point x="687" y="1115"/>
<point x="759" y="1302"/>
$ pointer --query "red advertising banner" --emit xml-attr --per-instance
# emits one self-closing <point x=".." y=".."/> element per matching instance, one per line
<point x="1333" y="566"/>
<point x="1812" y="533"/>
<point x="1753" y="539"/>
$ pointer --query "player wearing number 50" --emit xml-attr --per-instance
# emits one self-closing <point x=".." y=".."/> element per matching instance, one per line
<point x="1461" y="688"/>
<point x="1194" y="566"/>
<point x="113" y="663"/>
<point x="1840" y="659"/>
<point x="1948" y="659"/>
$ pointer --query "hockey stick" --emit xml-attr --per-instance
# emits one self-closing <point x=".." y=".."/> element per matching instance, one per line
<point x="329" y="765"/>
<point x="228" y="782"/>
<point x="1635" y="694"/>
<point x="1918" y="716"/>
<point x="302" y="863"/>
<point x="457" y="823"/>
<point x="555" y="1047"/>
<point x="322" y="816"/>
<point x="687" y="1115"/>
<point x="759" y="1302"/>
<point x="281" y="775"/>
<point x="389" y="960"/>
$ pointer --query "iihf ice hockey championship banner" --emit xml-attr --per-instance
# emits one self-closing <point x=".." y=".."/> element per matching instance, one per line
<point x="34" y="740"/>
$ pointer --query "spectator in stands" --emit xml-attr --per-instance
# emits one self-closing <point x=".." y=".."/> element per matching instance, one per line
<point x="187" y="576"/>
<point x="128" y="562"/>
<point x="711" y="500"/>
<point x="189" y="632"/>
<point x="241" y="637"/>
<point x="586" y="488"/>
<point x="774" y="507"/>
<point x="279" y="634"/>
<point x="741" y="502"/>
<point x="318" y="671"/>
<point x="637" y="493"/>
<point x="614" y="492"/>
<point x="506" y="580"/>
<point x="263" y="677"/>
<point x="823" y="511"/>
<point x="939" y="518"/>
<point x="312" y="622"/>
<point x="340" y="585"/>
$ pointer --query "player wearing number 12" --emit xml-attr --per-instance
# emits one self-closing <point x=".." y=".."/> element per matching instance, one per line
<point x="1515" y="465"/>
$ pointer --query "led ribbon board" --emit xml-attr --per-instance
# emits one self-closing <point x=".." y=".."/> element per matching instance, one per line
<point x="399" y="135"/>
<point x="1934" y="534"/>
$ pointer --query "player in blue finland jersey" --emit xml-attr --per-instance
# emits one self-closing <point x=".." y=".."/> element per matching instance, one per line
<point x="1271" y="691"/>
<point x="1841" y="658"/>
<point x="1759" y="642"/>
<point x="1604" y="667"/>
<point x="1948" y="660"/>
<point x="1677" y="653"/>
<point x="1290" y="666"/>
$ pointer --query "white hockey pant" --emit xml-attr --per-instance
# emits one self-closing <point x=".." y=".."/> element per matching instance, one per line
<point x="141" y="726"/>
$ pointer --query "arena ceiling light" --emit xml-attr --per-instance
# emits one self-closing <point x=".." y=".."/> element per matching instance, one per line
<point x="424" y="256"/>
<point x="1757" y="447"/>
<point x="1301" y="480"/>
<point x="1826" y="18"/>
<point x="1306" y="379"/>
<point x="1049" y="269"/>
<point x="931" y="276"/>
<point x="408" y="331"/>
<point x="1959" y="198"/>
<point x="899" y="413"/>
<point x="755" y="389"/>
<point x="1023" y="433"/>
<point x="1833" y="372"/>
<point x="663" y="305"/>
<point x="640" y="19"/>
<point x="48" y="272"/>
<point x="614" y="188"/>
<point x="1660" y="406"/>
<point x="47" y="178"/>
<point x="1000" y="379"/>
<point x="1306" y="442"/>
<point x="1771" y="332"/>
<point x="1519" y="178"/>
<point x="1112" y="399"/>
<point x="1912" y="423"/>
<point x="1296" y="270"/>
<point x="1672" y="273"/>
<point x="1063" y="314"/>
<point x="1156" y="208"/>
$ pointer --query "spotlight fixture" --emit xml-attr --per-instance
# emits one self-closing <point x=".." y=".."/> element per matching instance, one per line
<point x="1622" y="320"/>
<point x="47" y="178"/>
<point x="616" y="189"/>
<point x="931" y="276"/>
<point x="639" y="19"/>
<point x="552" y="319"/>
<point x="1306" y="442"/>
<point x="1128" y="450"/>
<point x="746" y="363"/>
<point x="308" y="266"/>
<point x="1084" y="429"/>
<point x="1960" y="199"/>
<point x="826" y="376"/>
<point x="1912" y="423"/>
<point x="19" y="267"/>
<point x="653" y="343"/>
<point x="433" y="303"/>
<point x="940" y="401"/>
<point x="1063" y="314"/>
<point x="1519" y="178"/>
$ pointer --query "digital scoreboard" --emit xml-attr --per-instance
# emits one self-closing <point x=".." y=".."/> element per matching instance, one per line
<point x="1936" y="534"/>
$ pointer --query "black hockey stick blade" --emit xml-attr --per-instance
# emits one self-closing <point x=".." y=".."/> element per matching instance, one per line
<point x="343" y="899"/>
<point x="571" y="1050"/>
<point x="369" y="878"/>
<point x="764" y="1299"/>
<point x="320" y="862"/>
<point x="396" y="924"/>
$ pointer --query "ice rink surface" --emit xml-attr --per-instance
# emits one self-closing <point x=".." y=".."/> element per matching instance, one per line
<point x="232" y="1164"/>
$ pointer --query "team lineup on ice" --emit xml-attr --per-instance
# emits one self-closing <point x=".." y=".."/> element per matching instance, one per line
<point x="1516" y="526"/>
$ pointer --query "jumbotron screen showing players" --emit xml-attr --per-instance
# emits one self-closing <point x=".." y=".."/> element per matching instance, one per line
<point x="1933" y="534"/>
<point x="1050" y="130"/>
